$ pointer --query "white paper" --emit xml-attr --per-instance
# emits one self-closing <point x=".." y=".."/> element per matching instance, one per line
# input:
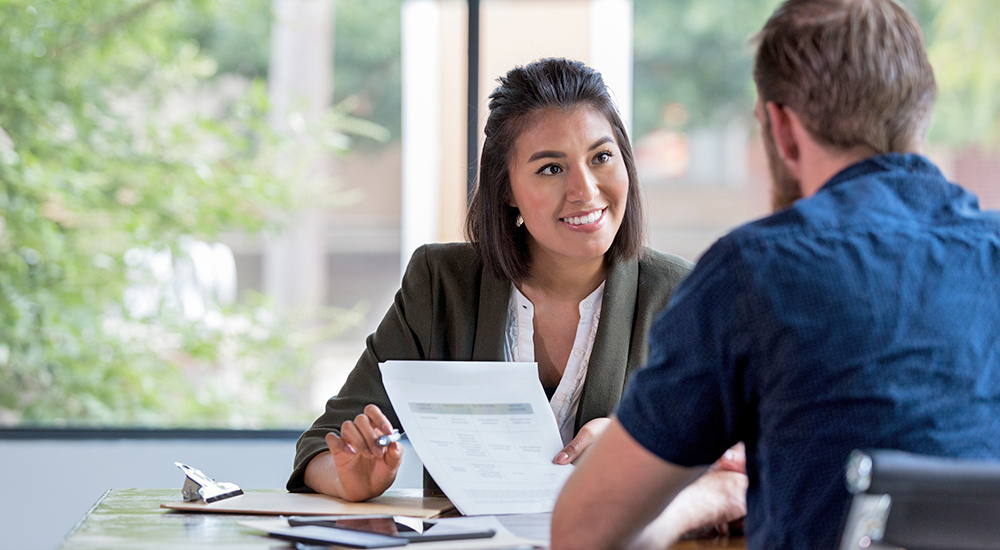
<point x="484" y="431"/>
<point x="530" y="526"/>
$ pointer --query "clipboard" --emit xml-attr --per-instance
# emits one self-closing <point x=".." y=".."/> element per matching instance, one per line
<point x="404" y="502"/>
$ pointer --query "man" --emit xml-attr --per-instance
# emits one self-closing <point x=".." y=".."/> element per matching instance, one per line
<point x="862" y="314"/>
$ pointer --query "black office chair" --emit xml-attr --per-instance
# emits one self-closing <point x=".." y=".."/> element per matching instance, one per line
<point x="903" y="500"/>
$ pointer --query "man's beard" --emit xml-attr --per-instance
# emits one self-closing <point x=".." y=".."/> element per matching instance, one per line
<point x="785" y="188"/>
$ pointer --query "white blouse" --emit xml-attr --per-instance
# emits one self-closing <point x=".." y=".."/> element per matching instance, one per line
<point x="519" y="346"/>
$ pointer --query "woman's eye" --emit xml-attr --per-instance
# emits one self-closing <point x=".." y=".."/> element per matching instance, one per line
<point x="550" y="170"/>
<point x="602" y="157"/>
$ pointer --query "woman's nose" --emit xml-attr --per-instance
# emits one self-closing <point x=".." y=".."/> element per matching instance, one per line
<point x="581" y="186"/>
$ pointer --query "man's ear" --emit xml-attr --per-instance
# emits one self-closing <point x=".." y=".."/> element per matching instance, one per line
<point x="785" y="135"/>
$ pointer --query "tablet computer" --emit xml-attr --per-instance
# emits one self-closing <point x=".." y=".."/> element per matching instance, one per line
<point x="385" y="525"/>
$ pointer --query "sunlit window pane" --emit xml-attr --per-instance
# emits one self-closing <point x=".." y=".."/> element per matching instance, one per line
<point x="205" y="206"/>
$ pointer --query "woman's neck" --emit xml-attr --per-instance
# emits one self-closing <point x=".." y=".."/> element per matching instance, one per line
<point x="564" y="278"/>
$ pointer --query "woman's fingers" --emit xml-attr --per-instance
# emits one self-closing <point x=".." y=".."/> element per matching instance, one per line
<point x="359" y="434"/>
<point x="359" y="477"/>
<point x="393" y="455"/>
<point x="338" y="445"/>
<point x="378" y="419"/>
<point x="364" y="469"/>
<point x="363" y="433"/>
<point x="371" y="435"/>
<point x="372" y="425"/>
<point x="585" y="438"/>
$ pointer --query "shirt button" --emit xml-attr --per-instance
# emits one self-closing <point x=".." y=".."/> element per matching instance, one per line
<point x="587" y="305"/>
<point x="578" y="352"/>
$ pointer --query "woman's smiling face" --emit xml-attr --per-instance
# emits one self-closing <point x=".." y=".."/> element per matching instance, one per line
<point x="569" y="181"/>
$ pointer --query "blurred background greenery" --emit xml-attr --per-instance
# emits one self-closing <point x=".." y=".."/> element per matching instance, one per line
<point x="697" y="53"/>
<point x="107" y="154"/>
<point x="122" y="136"/>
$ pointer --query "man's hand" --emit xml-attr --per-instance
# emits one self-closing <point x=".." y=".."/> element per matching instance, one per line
<point x="714" y="500"/>
<point x="723" y="492"/>
<point x="617" y="489"/>
<point x="734" y="459"/>
<point x="711" y="502"/>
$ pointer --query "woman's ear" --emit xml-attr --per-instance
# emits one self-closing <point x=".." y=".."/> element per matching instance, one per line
<point x="510" y="198"/>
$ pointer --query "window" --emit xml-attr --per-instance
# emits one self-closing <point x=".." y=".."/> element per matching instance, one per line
<point x="205" y="206"/>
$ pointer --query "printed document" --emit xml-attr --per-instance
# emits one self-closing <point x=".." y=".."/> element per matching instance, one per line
<point x="484" y="430"/>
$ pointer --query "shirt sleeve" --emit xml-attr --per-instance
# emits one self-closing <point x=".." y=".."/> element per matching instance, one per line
<point x="402" y="334"/>
<point x="687" y="405"/>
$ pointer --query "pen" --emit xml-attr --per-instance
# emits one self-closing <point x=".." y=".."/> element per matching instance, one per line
<point x="385" y="440"/>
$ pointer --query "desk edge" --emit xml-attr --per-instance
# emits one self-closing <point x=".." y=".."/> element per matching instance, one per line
<point x="84" y="518"/>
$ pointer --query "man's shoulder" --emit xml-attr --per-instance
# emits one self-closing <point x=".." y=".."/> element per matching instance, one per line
<point x="885" y="194"/>
<point x="823" y="215"/>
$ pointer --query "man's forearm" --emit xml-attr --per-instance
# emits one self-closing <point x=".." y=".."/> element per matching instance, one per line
<point x="616" y="491"/>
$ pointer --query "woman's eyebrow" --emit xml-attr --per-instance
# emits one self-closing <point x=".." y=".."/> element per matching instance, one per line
<point x="559" y="155"/>
<point x="546" y="154"/>
<point x="602" y="141"/>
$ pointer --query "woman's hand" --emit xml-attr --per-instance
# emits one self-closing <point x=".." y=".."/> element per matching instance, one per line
<point x="357" y="467"/>
<point x="587" y="435"/>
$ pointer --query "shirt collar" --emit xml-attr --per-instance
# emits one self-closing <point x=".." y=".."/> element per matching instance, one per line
<point x="911" y="162"/>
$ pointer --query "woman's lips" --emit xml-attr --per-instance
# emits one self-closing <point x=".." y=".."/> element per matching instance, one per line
<point x="586" y="219"/>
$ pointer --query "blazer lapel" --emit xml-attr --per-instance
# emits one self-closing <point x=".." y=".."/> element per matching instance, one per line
<point x="491" y="323"/>
<point x="609" y="356"/>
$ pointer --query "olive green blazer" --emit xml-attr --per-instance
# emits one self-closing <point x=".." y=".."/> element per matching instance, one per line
<point x="450" y="309"/>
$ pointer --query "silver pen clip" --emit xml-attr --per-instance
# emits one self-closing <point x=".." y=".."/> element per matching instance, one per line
<point x="388" y="439"/>
<point x="200" y="487"/>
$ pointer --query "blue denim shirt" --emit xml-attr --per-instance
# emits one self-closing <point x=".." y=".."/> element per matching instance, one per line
<point x="866" y="316"/>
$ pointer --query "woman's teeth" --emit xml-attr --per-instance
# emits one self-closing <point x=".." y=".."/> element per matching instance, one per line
<point x="584" y="220"/>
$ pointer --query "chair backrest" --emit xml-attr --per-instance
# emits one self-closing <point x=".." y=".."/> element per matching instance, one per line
<point x="921" y="503"/>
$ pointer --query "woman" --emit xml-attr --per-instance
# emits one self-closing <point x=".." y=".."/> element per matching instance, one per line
<point x="556" y="273"/>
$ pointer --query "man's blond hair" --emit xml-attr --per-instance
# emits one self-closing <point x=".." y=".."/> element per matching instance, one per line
<point x="855" y="72"/>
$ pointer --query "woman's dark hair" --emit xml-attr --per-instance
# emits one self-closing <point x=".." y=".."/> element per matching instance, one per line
<point x="492" y="224"/>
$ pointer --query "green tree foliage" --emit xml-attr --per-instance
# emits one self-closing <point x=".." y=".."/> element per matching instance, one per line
<point x="238" y="37"/>
<point x="98" y="159"/>
<point x="695" y="53"/>
<point x="367" y="61"/>
<point x="964" y="48"/>
<point x="367" y="64"/>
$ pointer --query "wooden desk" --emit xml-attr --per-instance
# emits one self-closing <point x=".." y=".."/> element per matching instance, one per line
<point x="131" y="519"/>
<point x="722" y="542"/>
